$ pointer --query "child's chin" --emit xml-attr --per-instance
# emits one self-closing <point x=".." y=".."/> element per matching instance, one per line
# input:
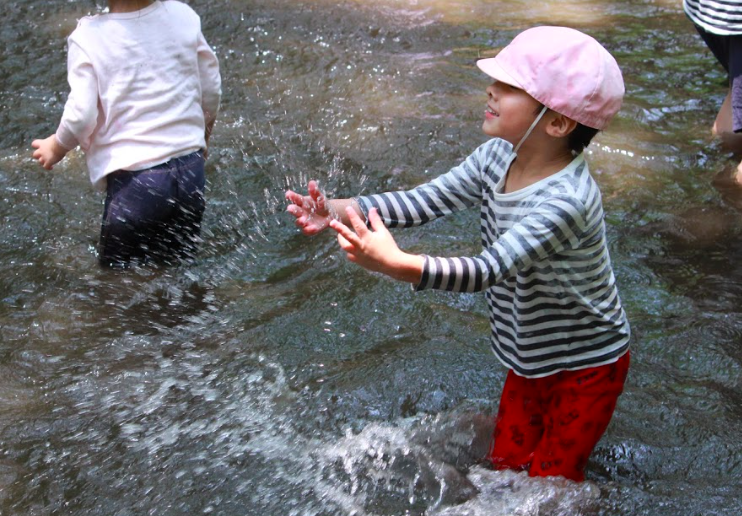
<point x="486" y="129"/>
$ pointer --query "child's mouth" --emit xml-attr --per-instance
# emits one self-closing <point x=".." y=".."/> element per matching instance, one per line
<point x="491" y="112"/>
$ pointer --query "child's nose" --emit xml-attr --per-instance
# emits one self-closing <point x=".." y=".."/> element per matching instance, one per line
<point x="491" y="90"/>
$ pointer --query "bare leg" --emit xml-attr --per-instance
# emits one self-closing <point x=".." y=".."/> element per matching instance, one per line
<point x="731" y="141"/>
<point x="723" y="122"/>
<point x="738" y="175"/>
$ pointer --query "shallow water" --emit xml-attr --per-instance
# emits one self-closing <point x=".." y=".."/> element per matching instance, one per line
<point x="271" y="377"/>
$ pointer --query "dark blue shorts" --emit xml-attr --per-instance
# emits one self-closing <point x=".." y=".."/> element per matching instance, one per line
<point x="153" y="215"/>
<point x="728" y="51"/>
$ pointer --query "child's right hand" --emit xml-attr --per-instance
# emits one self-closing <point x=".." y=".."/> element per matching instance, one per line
<point x="48" y="151"/>
<point x="311" y="211"/>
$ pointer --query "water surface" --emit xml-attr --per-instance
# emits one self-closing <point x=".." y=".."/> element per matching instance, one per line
<point x="273" y="378"/>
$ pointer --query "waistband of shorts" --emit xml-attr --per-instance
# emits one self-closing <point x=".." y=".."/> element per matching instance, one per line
<point x="167" y="165"/>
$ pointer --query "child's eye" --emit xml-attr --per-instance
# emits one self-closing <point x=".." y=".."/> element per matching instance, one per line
<point x="507" y="87"/>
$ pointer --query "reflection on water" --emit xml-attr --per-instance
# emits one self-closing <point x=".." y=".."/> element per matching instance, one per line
<point x="272" y="378"/>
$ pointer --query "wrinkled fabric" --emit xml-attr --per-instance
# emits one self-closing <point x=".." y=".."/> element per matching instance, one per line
<point x="549" y="426"/>
<point x="153" y="215"/>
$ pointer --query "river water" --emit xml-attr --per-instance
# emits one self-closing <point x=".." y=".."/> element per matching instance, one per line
<point x="273" y="378"/>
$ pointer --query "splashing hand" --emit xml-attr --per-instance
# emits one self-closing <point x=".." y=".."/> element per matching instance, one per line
<point x="375" y="249"/>
<point x="48" y="151"/>
<point x="311" y="211"/>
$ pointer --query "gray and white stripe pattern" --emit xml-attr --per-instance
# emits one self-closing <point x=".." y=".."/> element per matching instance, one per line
<point x="722" y="17"/>
<point x="545" y="269"/>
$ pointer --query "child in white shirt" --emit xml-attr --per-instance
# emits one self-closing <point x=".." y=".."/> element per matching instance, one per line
<point x="145" y="93"/>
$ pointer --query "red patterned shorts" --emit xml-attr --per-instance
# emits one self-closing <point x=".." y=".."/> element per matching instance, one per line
<point x="549" y="426"/>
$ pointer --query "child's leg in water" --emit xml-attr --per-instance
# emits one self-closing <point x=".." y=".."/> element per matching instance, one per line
<point x="728" y="123"/>
<point x="731" y="141"/>
<point x="154" y="214"/>
<point x="551" y="425"/>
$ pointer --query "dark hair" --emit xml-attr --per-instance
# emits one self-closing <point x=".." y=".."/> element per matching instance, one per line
<point x="581" y="138"/>
<point x="578" y="139"/>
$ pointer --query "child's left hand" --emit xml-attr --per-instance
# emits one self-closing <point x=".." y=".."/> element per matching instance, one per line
<point x="48" y="151"/>
<point x="375" y="249"/>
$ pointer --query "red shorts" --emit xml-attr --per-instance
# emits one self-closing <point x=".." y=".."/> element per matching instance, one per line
<point x="550" y="425"/>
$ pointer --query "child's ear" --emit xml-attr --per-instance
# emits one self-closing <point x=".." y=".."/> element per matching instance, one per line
<point x="560" y="126"/>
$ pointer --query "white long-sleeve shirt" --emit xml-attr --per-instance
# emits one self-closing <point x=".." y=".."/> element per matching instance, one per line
<point x="144" y="85"/>
<point x="544" y="267"/>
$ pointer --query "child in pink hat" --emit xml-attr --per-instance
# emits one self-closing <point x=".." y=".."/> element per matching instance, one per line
<point x="555" y="314"/>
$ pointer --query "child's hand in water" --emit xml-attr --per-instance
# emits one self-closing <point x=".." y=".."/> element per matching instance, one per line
<point x="375" y="249"/>
<point x="48" y="151"/>
<point x="311" y="211"/>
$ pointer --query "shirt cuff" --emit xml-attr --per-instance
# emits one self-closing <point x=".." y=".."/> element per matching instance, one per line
<point x="425" y="277"/>
<point x="65" y="138"/>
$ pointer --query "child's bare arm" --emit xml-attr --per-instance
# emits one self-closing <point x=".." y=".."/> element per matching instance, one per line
<point x="375" y="249"/>
<point x="314" y="212"/>
<point x="48" y="151"/>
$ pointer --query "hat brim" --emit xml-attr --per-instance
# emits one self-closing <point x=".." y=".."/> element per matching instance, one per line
<point x="491" y="67"/>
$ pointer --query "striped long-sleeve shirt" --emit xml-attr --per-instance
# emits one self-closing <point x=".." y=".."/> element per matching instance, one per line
<point x="722" y="17"/>
<point x="550" y="289"/>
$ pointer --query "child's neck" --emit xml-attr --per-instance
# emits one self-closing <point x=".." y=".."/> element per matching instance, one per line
<point x="532" y="166"/>
<point x="127" y="6"/>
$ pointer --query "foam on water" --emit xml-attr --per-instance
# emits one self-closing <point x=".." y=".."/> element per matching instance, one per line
<point x="269" y="377"/>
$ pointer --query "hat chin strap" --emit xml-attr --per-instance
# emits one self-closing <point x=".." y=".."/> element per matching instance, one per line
<point x="530" y="129"/>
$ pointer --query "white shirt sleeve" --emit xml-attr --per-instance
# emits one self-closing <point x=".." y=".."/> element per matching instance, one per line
<point x="211" y="84"/>
<point x="81" y="110"/>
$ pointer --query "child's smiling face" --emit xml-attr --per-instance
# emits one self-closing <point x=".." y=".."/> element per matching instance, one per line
<point x="509" y="113"/>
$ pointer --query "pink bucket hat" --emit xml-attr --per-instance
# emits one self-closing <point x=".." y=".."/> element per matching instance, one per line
<point x="567" y="71"/>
